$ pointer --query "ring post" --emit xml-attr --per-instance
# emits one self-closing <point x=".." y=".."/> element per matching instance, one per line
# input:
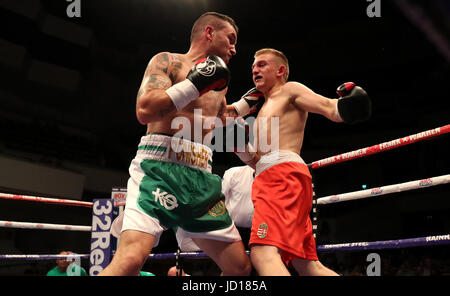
<point x="119" y="196"/>
<point x="102" y="217"/>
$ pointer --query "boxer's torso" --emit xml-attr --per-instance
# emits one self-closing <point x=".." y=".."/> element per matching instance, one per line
<point x="279" y="120"/>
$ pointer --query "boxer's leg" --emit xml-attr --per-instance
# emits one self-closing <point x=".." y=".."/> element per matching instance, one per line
<point x="229" y="256"/>
<point x="311" y="268"/>
<point x="134" y="248"/>
<point x="267" y="261"/>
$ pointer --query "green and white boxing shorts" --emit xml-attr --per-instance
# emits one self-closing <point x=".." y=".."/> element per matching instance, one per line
<point x="171" y="185"/>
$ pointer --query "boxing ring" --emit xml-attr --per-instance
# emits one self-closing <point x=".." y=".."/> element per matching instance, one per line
<point x="105" y="210"/>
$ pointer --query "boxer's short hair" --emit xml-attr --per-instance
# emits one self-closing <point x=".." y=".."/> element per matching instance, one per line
<point x="283" y="59"/>
<point x="214" y="19"/>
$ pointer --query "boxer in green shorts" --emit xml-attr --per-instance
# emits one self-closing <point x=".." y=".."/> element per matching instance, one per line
<point x="171" y="184"/>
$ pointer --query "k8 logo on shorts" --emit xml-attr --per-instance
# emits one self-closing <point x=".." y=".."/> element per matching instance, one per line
<point x="168" y="201"/>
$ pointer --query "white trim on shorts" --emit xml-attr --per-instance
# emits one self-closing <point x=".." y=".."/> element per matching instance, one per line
<point x="176" y="150"/>
<point x="276" y="157"/>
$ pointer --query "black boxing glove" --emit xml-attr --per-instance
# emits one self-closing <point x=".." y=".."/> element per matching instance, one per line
<point x="354" y="105"/>
<point x="249" y="102"/>
<point x="210" y="73"/>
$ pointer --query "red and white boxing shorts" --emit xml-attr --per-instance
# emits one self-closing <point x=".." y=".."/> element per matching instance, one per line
<point x="282" y="196"/>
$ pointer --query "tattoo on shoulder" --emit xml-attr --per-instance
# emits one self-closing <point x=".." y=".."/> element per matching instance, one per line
<point x="176" y="67"/>
<point x="162" y="72"/>
<point x="156" y="81"/>
<point x="162" y="62"/>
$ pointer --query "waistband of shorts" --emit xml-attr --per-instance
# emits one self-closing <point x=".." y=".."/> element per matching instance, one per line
<point x="176" y="150"/>
<point x="276" y="157"/>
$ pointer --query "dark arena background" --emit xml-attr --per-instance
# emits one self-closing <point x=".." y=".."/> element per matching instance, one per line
<point x="68" y="128"/>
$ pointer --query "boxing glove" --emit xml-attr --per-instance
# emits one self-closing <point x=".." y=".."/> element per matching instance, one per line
<point x="249" y="103"/>
<point x="354" y="105"/>
<point x="210" y="73"/>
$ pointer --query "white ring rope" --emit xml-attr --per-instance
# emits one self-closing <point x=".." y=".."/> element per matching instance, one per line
<point x="30" y="225"/>
<point x="377" y="191"/>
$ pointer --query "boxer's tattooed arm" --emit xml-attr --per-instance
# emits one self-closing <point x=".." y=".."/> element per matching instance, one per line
<point x="161" y="73"/>
<point x="162" y="62"/>
<point x="159" y="82"/>
<point x="156" y="81"/>
<point x="155" y="76"/>
<point x="153" y="81"/>
<point x="170" y="65"/>
<point x="176" y="67"/>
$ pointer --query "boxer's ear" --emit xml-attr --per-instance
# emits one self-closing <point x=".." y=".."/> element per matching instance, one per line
<point x="209" y="33"/>
<point x="281" y="70"/>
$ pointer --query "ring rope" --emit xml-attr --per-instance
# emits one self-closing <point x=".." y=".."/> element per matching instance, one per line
<point x="68" y="202"/>
<point x="380" y="147"/>
<point x="355" y="246"/>
<point x="377" y="191"/>
<point x="388" y="244"/>
<point x="44" y="257"/>
<point x="31" y="225"/>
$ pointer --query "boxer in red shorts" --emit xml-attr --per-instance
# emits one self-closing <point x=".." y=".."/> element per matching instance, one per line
<point x="282" y="190"/>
